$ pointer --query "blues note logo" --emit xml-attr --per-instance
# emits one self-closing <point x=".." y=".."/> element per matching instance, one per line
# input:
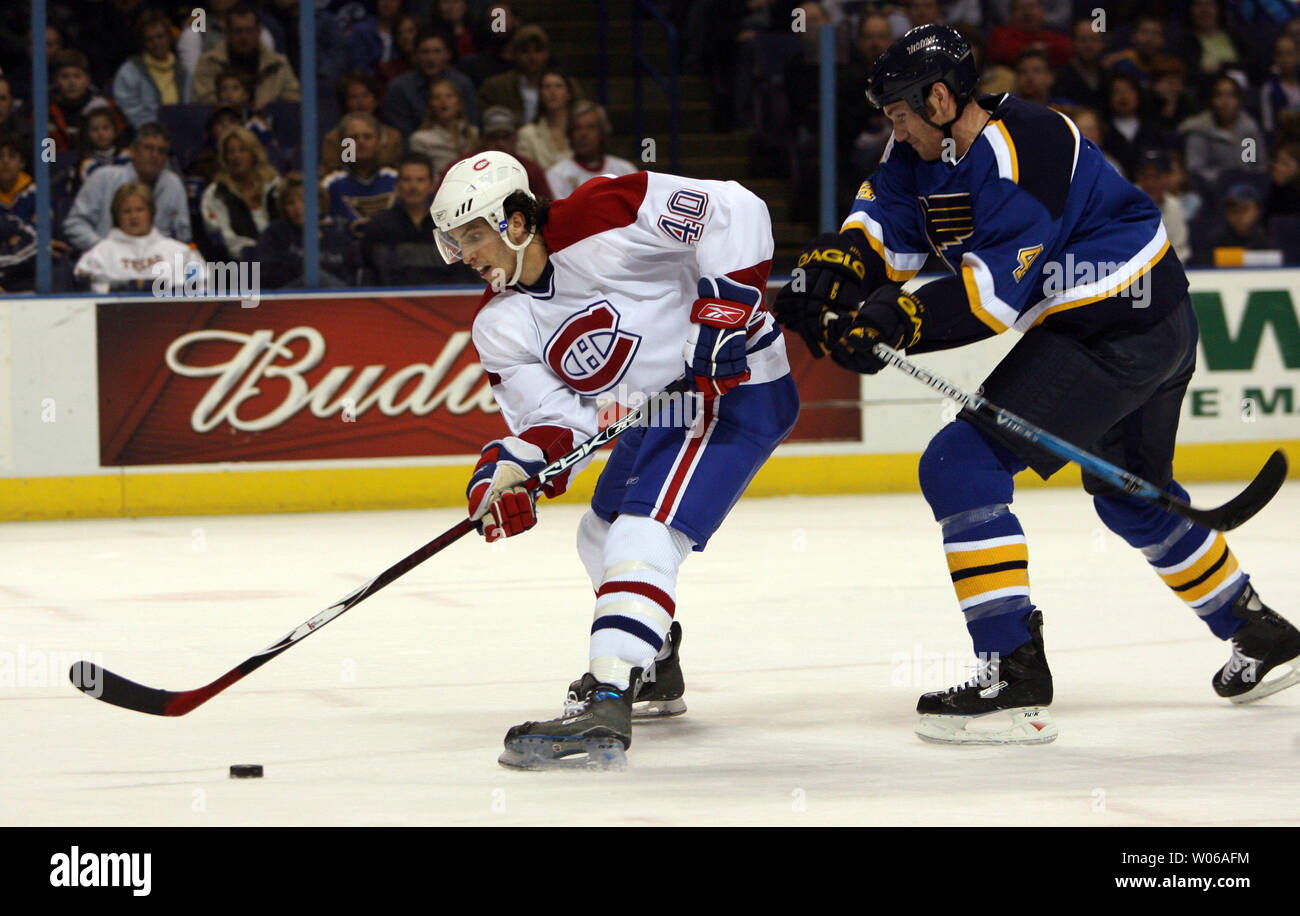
<point x="949" y="219"/>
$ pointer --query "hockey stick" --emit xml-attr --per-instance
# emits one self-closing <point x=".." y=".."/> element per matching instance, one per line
<point x="103" y="684"/>
<point x="1223" y="518"/>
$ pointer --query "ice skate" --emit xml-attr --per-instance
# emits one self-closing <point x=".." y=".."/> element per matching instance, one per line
<point x="593" y="732"/>
<point x="662" y="685"/>
<point x="1005" y="703"/>
<point x="660" y="696"/>
<point x="1265" y="644"/>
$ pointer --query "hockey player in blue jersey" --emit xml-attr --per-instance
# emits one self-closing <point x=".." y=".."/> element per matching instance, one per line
<point x="1039" y="234"/>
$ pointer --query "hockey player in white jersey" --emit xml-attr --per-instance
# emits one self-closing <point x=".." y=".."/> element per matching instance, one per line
<point x="616" y="290"/>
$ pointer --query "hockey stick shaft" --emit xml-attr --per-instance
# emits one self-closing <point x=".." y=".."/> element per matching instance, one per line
<point x="103" y="684"/>
<point x="1223" y="518"/>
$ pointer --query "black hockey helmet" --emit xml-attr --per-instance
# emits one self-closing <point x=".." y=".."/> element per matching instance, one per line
<point x="925" y="55"/>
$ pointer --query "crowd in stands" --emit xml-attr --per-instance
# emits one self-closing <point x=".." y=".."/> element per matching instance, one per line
<point x="1196" y="101"/>
<point x="180" y="123"/>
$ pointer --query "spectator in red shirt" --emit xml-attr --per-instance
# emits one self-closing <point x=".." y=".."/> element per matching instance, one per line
<point x="453" y="15"/>
<point x="1024" y="29"/>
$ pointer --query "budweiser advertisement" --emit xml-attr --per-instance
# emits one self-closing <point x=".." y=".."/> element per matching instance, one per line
<point x="186" y="381"/>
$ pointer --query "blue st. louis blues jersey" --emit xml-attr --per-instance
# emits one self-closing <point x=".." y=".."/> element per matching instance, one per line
<point x="1034" y="224"/>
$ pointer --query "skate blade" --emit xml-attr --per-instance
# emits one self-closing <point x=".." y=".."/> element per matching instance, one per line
<point x="1273" y="682"/>
<point x="1030" y="725"/>
<point x="543" y="753"/>
<point x="658" y="709"/>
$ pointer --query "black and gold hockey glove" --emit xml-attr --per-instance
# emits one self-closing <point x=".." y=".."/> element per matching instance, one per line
<point x="889" y="316"/>
<point x="826" y="286"/>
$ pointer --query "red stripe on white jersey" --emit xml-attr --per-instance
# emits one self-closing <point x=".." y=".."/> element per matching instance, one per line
<point x="755" y="276"/>
<point x="683" y="467"/>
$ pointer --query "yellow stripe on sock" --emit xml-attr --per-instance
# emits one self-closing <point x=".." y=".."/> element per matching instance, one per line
<point x="978" y="585"/>
<point x="968" y="559"/>
<point x="1197" y="569"/>
<point x="1221" y="575"/>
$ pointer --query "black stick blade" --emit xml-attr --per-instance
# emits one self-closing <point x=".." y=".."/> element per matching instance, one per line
<point x="1242" y="507"/>
<point x="102" y="684"/>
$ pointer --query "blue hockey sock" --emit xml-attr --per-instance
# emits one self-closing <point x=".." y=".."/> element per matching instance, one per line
<point x="968" y="482"/>
<point x="988" y="560"/>
<point x="1192" y="560"/>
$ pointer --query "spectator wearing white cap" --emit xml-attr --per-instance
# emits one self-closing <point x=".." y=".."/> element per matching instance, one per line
<point x="500" y="133"/>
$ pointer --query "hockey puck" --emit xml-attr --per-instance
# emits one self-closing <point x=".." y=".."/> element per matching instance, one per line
<point x="246" y="771"/>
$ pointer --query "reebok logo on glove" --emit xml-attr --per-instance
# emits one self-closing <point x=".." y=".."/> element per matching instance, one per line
<point x="715" y="348"/>
<point x="720" y="314"/>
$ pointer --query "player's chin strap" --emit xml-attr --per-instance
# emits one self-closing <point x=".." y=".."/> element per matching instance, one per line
<point x="519" y="255"/>
<point x="947" y="128"/>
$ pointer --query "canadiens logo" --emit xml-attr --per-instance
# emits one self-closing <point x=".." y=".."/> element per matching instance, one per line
<point x="589" y="351"/>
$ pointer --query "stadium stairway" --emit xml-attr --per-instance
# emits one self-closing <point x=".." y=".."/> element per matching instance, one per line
<point x="705" y="152"/>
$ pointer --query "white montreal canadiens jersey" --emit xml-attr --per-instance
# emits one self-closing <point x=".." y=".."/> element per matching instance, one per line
<point x="610" y="315"/>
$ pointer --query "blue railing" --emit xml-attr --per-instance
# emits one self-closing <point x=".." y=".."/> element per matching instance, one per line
<point x="310" y="143"/>
<point x="829" y="220"/>
<point x="40" y="159"/>
<point x="641" y="67"/>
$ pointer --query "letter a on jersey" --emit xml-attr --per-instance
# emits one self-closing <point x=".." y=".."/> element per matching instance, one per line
<point x="1026" y="257"/>
<point x="589" y="351"/>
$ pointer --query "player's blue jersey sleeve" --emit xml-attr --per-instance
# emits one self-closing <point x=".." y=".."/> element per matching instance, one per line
<point x="898" y="242"/>
<point x="1034" y="225"/>
<point x="994" y="236"/>
<point x="1001" y="268"/>
<point x="1054" y="234"/>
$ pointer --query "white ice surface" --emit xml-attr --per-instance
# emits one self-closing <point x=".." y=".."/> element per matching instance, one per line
<point x="811" y="625"/>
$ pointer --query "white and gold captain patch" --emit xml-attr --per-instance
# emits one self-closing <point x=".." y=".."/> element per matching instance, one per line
<point x="1026" y="257"/>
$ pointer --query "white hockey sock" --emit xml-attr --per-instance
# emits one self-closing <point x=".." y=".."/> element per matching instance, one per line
<point x="592" y="532"/>
<point x="637" y="596"/>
